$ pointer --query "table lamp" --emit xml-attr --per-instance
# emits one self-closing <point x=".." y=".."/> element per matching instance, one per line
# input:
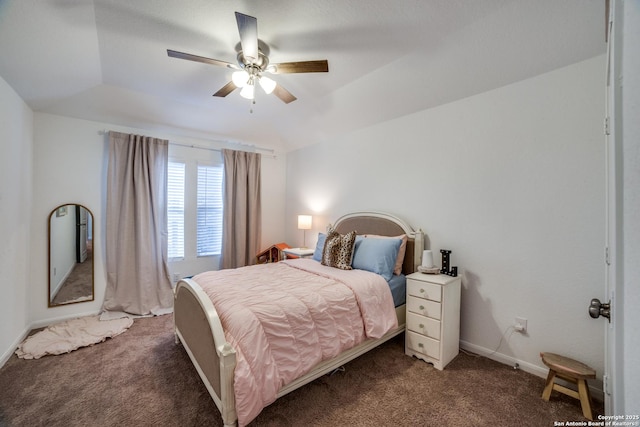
<point x="304" y="224"/>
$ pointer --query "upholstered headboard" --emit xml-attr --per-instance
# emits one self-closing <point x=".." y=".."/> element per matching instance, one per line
<point x="385" y="225"/>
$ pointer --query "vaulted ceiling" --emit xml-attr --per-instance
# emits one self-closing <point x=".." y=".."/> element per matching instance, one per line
<point x="106" y="60"/>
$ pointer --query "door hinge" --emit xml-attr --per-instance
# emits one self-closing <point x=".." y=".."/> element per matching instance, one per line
<point x="605" y="384"/>
<point x="607" y="259"/>
<point x="606" y="126"/>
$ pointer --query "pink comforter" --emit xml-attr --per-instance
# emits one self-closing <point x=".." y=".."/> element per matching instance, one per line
<point x="284" y="318"/>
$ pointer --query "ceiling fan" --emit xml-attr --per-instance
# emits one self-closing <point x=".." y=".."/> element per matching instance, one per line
<point x="253" y="64"/>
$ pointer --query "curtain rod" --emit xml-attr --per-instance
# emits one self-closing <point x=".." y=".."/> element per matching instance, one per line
<point x="255" y="147"/>
<point x="219" y="150"/>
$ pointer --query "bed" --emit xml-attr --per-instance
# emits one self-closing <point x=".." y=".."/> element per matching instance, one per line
<point x="199" y="326"/>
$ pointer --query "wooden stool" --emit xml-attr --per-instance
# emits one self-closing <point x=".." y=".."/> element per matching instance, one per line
<point x="572" y="371"/>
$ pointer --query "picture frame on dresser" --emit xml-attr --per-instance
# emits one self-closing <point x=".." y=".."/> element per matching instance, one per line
<point x="433" y="318"/>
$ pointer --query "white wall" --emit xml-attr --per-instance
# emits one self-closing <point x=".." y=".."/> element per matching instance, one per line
<point x="274" y="172"/>
<point x="16" y="142"/>
<point x="69" y="167"/>
<point x="70" y="161"/>
<point x="512" y="181"/>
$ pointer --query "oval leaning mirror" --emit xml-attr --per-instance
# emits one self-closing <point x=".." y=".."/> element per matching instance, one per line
<point x="70" y="255"/>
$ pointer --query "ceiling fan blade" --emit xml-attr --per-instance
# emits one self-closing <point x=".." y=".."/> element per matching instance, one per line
<point x="283" y="94"/>
<point x="248" y="29"/>
<point x="321" y="66"/>
<point x="226" y="90"/>
<point x="196" y="58"/>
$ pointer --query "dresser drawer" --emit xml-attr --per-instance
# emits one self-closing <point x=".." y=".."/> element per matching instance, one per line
<point x="422" y="344"/>
<point x="423" y="325"/>
<point x="424" y="290"/>
<point x="423" y="307"/>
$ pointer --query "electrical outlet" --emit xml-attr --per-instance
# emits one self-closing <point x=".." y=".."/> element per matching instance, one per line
<point x="520" y="325"/>
<point x="176" y="277"/>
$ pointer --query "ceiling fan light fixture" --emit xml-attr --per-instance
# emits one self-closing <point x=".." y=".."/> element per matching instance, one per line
<point x="240" y="78"/>
<point x="267" y="84"/>
<point x="248" y="91"/>
<point x="252" y="56"/>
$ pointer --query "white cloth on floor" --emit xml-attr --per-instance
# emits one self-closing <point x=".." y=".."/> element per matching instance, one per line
<point x="70" y="335"/>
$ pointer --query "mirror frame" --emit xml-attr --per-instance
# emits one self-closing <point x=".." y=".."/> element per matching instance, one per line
<point x="55" y="211"/>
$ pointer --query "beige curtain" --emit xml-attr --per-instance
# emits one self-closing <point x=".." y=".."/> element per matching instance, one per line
<point x="136" y="241"/>
<point x="241" y="220"/>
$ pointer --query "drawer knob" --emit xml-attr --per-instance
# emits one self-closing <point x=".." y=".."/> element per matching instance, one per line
<point x="422" y="291"/>
<point x="421" y="326"/>
<point x="422" y="307"/>
<point x="420" y="345"/>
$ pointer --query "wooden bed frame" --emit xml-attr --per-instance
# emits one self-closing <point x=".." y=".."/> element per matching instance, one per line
<point x="198" y="326"/>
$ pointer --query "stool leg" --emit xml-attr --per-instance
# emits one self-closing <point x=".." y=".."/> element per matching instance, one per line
<point x="546" y="394"/>
<point x="585" y="399"/>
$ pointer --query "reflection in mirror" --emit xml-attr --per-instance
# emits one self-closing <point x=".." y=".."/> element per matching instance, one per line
<point x="70" y="255"/>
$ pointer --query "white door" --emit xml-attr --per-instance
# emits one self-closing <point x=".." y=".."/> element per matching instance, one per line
<point x="626" y="393"/>
<point x="613" y="381"/>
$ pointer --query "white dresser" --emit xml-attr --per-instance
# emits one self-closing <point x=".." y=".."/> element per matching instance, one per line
<point x="433" y="318"/>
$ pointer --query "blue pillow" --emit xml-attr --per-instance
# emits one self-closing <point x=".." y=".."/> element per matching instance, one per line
<point x="317" y="254"/>
<point x="376" y="255"/>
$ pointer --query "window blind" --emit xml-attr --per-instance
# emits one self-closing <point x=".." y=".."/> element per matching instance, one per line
<point x="175" y="209"/>
<point x="209" y="207"/>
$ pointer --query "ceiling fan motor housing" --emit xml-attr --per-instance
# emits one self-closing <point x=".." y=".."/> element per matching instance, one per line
<point x="261" y="63"/>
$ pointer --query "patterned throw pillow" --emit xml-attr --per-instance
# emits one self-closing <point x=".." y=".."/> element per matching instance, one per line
<point x="338" y="250"/>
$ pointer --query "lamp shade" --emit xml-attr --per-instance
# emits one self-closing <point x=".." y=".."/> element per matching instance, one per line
<point x="267" y="84"/>
<point x="248" y="92"/>
<point x="304" y="222"/>
<point x="240" y="78"/>
<point x="427" y="259"/>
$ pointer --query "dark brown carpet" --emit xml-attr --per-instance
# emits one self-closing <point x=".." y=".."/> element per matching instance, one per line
<point x="141" y="378"/>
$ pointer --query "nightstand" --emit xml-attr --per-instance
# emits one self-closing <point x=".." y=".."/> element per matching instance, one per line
<point x="298" y="252"/>
<point x="433" y="318"/>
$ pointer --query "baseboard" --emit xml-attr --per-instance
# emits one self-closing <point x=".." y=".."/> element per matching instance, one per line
<point x="35" y="325"/>
<point x="8" y="353"/>
<point x="53" y="320"/>
<point x="504" y="359"/>
<point x="596" y="392"/>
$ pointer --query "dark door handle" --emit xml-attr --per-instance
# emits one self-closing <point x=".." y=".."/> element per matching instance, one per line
<point x="597" y="309"/>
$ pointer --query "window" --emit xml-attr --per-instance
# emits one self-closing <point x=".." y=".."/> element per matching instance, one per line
<point x="175" y="209"/>
<point x="194" y="209"/>
<point x="209" y="220"/>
